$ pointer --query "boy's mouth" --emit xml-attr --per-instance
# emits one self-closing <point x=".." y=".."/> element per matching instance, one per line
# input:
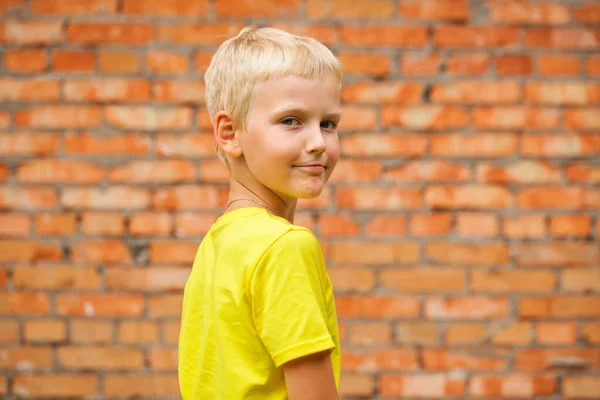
<point x="314" y="167"/>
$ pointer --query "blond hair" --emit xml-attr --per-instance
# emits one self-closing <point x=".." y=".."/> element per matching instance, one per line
<point x="256" y="55"/>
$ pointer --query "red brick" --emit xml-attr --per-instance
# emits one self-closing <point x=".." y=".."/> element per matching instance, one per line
<point x="326" y="34"/>
<point x="148" y="117"/>
<point x="570" y="39"/>
<point x="517" y="333"/>
<point x="60" y="171"/>
<point x="265" y="8"/>
<point x="388" y="225"/>
<point x="181" y="92"/>
<point x="472" y="307"/>
<point x="110" y="33"/>
<point x="469" y="36"/>
<point x="204" y="122"/>
<point x="541" y="359"/>
<point x="91" y="331"/>
<point x="425" y="117"/>
<point x="166" y="62"/>
<point x="29" y="250"/>
<point x="583" y="119"/>
<point x="560" y="145"/>
<point x="433" y="224"/>
<point x="142" y="386"/>
<point x="525" y="12"/>
<point x="150" y="224"/>
<point x="19" y="303"/>
<point x="590" y="332"/>
<point x="384" y="35"/>
<point x="27" y="199"/>
<point x="186" y="145"/>
<point x="357" y="117"/>
<point x="54" y="224"/>
<point x="477" y="225"/>
<point x="525" y="226"/>
<point x="14" y="225"/>
<point x="173" y="252"/>
<point x="9" y="331"/>
<point x="476" y="92"/>
<point x="588" y="13"/>
<point x="59" y="116"/>
<point x="592" y="65"/>
<point x="5" y="119"/>
<point x="512" y="281"/>
<point x="430" y="386"/>
<point x="515" y="117"/>
<point x="119" y="62"/>
<point x="424" y="64"/>
<point x="580" y="280"/>
<point x="559" y="253"/>
<point x="367" y="306"/>
<point x="580" y="172"/>
<point x="465" y="333"/>
<point x="107" y="90"/>
<point x="165" y="305"/>
<point x="115" y="197"/>
<point x="513" y="64"/>
<point x="476" y="145"/>
<point x="56" y="385"/>
<point x="99" y="305"/>
<point x="556" y="333"/>
<point x="558" y="65"/>
<point x="429" y="171"/>
<point x="9" y="6"/>
<point x="381" y="144"/>
<point x="370" y="333"/>
<point x="417" y="332"/>
<point x="216" y="171"/>
<point x="338" y="225"/>
<point x="72" y="7"/>
<point x="468" y="64"/>
<point x="102" y="223"/>
<point x="104" y="251"/>
<point x="147" y="279"/>
<point x="512" y="386"/>
<point x="558" y="197"/>
<point x="352" y="279"/>
<point x="56" y="277"/>
<point x="355" y="171"/>
<point x="107" y="145"/>
<point x="195" y="224"/>
<point x="168" y="171"/>
<point x="423" y="280"/>
<point x="26" y="358"/>
<point x="5" y="173"/>
<point x="190" y="8"/>
<point x="191" y="197"/>
<point x="26" y="90"/>
<point x="445" y="360"/>
<point x="559" y="307"/>
<point x="570" y="225"/>
<point x="31" y="33"/>
<point x="468" y="254"/>
<point x="382" y="198"/>
<point x="136" y="332"/>
<point x="206" y="33"/>
<point x="45" y="330"/>
<point x="382" y="92"/>
<point x="72" y="61"/>
<point x="447" y="10"/>
<point x="581" y="387"/>
<point x="558" y="93"/>
<point x="472" y="196"/>
<point x="22" y="61"/>
<point x="372" y="360"/>
<point x="525" y="171"/>
<point x="163" y="359"/>
<point x="350" y="9"/>
<point x="354" y="385"/>
<point x="100" y="358"/>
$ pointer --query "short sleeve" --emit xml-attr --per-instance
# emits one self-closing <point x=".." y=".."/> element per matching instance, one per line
<point x="288" y="299"/>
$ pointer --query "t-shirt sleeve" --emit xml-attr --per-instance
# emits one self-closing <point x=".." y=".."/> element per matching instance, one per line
<point x="288" y="299"/>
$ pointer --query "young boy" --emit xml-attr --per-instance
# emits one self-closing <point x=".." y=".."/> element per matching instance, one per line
<point x="259" y="318"/>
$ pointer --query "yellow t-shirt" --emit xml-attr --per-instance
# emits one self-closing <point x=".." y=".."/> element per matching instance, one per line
<point x="257" y="297"/>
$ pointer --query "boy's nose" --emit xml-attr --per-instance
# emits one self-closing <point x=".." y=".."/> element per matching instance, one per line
<point x="316" y="141"/>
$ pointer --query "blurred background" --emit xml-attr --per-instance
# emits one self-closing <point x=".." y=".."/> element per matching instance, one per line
<point x="461" y="228"/>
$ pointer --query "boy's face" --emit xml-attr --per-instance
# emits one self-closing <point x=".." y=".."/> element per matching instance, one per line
<point x="291" y="144"/>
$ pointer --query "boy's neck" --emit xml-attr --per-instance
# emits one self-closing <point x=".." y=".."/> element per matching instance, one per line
<point x="245" y="195"/>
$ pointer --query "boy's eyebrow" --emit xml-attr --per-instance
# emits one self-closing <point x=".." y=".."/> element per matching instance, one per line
<point x="336" y="114"/>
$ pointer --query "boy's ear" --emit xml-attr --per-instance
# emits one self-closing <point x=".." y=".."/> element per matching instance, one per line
<point x="225" y="134"/>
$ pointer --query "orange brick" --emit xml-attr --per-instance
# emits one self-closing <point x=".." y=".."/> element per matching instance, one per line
<point x="559" y="307"/>
<point x="189" y="8"/>
<point x="388" y="225"/>
<point x="382" y="92"/>
<point x="377" y="306"/>
<point x="356" y="171"/>
<point x="136" y="332"/>
<point x="519" y="172"/>
<point x="558" y="65"/>
<point x="425" y="171"/>
<point x="107" y="90"/>
<point x="45" y="331"/>
<point x="421" y="279"/>
<point x="29" y="250"/>
<point x="570" y="39"/>
<point x="59" y="116"/>
<point x="567" y="197"/>
<point x="570" y="225"/>
<point x="559" y="253"/>
<point x="150" y="224"/>
<point x="56" y="385"/>
<point x="205" y="33"/>
<point x="24" y="61"/>
<point x="472" y="196"/>
<point x="33" y="357"/>
<point x="465" y="333"/>
<point x="469" y="36"/>
<point x="386" y="198"/>
<point x="183" y="92"/>
<point x="370" y="333"/>
<point x="590" y="332"/>
<point x="560" y="145"/>
<point x="167" y="171"/>
<point x="165" y="305"/>
<point x="194" y="224"/>
<point x="420" y="63"/>
<point x="587" y="13"/>
<point x="60" y="171"/>
<point x="187" y="145"/>
<point x="580" y="280"/>
<point x="100" y="305"/>
<point x="512" y="117"/>
<point x="72" y="61"/>
<point x="9" y="331"/>
<point x="542" y="359"/>
<point x="266" y="8"/>
<point x="581" y="387"/>
<point x="556" y="333"/>
<point x="371" y="64"/>
<point x="112" y="144"/>
<point x="478" y="145"/>
<point x="326" y="34"/>
<point x="468" y="64"/>
<point x="430" y="385"/>
<point x="5" y="119"/>
<point x="7" y="7"/>
<point x="350" y="9"/>
<point x="592" y="65"/>
<point x="31" y="33"/>
<point x="513" y="386"/>
<point x="447" y="10"/>
<point x="27" y="199"/>
<point x="26" y="90"/>
<point x="100" y="358"/>
<point x="148" y="118"/>
<point x="147" y="279"/>
<point x="472" y="307"/>
<point x="14" y="225"/>
<point x="372" y="360"/>
<point x="525" y="226"/>
<point x="91" y="331"/>
<point x="104" y="251"/>
<point x="102" y="223"/>
<point x="56" y="277"/>
<point x="354" y="385"/>
<point x="172" y="252"/>
<point x="384" y="35"/>
<point x="417" y="332"/>
<point x="383" y="145"/>
<point x="477" y="225"/>
<point x="356" y="117"/>
<point x="439" y="359"/>
<point x="215" y="171"/>
<point x="188" y="197"/>
<point x="425" y="117"/>
<point x="3" y="278"/>
<point x="581" y="172"/>
<point x="142" y="386"/>
<point x="526" y="12"/>
<point x="72" y="7"/>
<point x="119" y="62"/>
<point x="560" y="93"/>
<point x="584" y="119"/>
<point x="513" y="64"/>
<point x="163" y="359"/>
<point x="5" y="173"/>
<point x="110" y="33"/>
<point x="338" y="225"/>
<point x="476" y="92"/>
<point x="518" y="333"/>
<point x="115" y="197"/>
<point x="434" y="224"/>
<point x="167" y="62"/>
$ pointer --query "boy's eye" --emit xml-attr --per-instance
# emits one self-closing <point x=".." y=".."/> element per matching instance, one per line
<point x="290" y="121"/>
<point x="328" y="125"/>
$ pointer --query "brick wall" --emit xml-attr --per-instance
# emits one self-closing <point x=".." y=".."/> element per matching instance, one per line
<point x="461" y="228"/>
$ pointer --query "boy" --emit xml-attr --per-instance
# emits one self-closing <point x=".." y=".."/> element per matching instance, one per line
<point x="259" y="318"/>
